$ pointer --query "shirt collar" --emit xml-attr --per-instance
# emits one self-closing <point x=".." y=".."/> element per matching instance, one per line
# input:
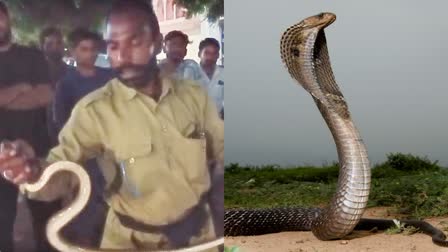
<point x="129" y="93"/>
<point x="216" y="72"/>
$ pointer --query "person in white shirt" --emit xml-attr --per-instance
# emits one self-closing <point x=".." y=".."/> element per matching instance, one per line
<point x="213" y="74"/>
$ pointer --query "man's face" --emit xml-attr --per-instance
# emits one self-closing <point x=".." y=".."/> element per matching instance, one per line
<point x="85" y="53"/>
<point x="176" y="49"/>
<point x="131" y="48"/>
<point x="5" y="29"/>
<point x="209" y="55"/>
<point x="53" y="47"/>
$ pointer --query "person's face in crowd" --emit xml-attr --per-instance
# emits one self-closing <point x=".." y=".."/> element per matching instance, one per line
<point x="209" y="55"/>
<point x="85" y="53"/>
<point x="176" y="49"/>
<point x="130" y="46"/>
<point x="53" y="47"/>
<point x="5" y="29"/>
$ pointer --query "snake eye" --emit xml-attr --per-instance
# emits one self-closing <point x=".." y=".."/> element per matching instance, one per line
<point x="295" y="52"/>
<point x="321" y="15"/>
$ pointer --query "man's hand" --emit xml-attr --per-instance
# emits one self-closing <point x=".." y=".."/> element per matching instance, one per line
<point x="17" y="162"/>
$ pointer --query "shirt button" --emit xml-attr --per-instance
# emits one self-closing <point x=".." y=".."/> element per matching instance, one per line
<point x="131" y="160"/>
<point x="164" y="129"/>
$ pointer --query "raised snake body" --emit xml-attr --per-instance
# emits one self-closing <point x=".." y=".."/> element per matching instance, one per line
<point x="63" y="217"/>
<point x="305" y="54"/>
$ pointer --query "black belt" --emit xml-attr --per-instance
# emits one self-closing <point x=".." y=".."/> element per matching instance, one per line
<point x="193" y="213"/>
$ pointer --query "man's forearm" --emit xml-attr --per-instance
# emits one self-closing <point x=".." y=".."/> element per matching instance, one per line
<point x="39" y="96"/>
<point x="7" y="95"/>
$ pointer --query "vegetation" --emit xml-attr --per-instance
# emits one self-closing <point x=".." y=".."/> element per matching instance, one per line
<point x="401" y="228"/>
<point x="213" y="9"/>
<point x="29" y="17"/>
<point x="411" y="185"/>
<point x="232" y="249"/>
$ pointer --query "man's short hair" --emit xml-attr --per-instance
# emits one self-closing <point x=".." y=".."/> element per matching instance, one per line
<point x="209" y="42"/>
<point x="81" y="34"/>
<point x="176" y="34"/>
<point x="49" y="31"/>
<point x="4" y="8"/>
<point x="142" y="6"/>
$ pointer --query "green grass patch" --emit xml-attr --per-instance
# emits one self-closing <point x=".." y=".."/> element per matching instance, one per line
<point x="400" y="228"/>
<point x="412" y="185"/>
<point x="232" y="249"/>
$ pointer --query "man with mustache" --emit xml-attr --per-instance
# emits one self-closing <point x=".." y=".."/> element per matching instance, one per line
<point x="175" y="47"/>
<point x="25" y="93"/>
<point x="52" y="45"/>
<point x="156" y="138"/>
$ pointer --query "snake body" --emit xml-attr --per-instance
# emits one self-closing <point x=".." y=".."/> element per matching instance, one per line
<point x="303" y="50"/>
<point x="305" y="54"/>
<point x="64" y="216"/>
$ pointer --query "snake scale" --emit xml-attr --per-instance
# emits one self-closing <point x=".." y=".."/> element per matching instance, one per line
<point x="304" y="52"/>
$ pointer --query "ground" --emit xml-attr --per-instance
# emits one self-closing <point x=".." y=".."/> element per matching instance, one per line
<point x="359" y="241"/>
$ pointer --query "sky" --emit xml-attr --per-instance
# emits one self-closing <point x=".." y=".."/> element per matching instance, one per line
<point x="390" y="62"/>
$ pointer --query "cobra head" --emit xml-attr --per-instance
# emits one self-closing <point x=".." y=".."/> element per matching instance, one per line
<point x="299" y="44"/>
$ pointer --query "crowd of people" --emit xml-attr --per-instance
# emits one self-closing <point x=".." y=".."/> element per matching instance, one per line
<point x="207" y="73"/>
<point x="160" y="124"/>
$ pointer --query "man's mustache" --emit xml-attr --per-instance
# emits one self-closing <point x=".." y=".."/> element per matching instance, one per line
<point x="132" y="67"/>
<point x="138" y="75"/>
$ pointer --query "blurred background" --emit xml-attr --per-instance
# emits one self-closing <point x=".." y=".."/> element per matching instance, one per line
<point x="197" y="19"/>
<point x="389" y="59"/>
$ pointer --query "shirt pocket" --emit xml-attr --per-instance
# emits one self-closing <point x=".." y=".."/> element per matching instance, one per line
<point x="136" y="161"/>
<point x="190" y="157"/>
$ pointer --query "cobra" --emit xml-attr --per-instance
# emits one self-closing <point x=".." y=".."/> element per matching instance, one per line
<point x="305" y="54"/>
<point x="64" y="216"/>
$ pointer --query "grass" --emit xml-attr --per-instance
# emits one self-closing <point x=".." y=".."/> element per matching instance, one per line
<point x="400" y="228"/>
<point x="411" y="185"/>
<point x="232" y="249"/>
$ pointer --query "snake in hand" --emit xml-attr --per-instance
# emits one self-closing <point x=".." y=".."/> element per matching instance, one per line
<point x="64" y="216"/>
<point x="304" y="52"/>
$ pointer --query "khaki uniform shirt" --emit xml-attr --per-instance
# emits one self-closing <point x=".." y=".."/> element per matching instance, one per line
<point x="153" y="154"/>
